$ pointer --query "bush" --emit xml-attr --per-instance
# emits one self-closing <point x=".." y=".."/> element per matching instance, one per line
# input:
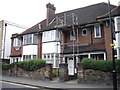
<point x="55" y="73"/>
<point x="32" y="64"/>
<point x="5" y="66"/>
<point x="103" y="65"/>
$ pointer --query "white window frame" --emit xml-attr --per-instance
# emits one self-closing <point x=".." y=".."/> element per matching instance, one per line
<point x="28" y="39"/>
<point x="16" y="42"/>
<point x="84" y="29"/>
<point x="96" y="30"/>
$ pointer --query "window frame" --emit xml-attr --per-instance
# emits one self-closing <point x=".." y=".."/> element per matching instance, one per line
<point x="16" y="42"/>
<point x="73" y="36"/>
<point x="95" y="31"/>
<point x="84" y="29"/>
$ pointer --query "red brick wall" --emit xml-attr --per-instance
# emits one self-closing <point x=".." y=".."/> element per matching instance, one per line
<point x="18" y="52"/>
<point x="88" y="39"/>
<point x="39" y="46"/>
<point x="107" y="37"/>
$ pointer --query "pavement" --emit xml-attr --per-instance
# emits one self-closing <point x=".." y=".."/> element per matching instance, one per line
<point x="55" y="84"/>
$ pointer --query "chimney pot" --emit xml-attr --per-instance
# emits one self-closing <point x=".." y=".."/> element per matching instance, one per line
<point x="49" y="5"/>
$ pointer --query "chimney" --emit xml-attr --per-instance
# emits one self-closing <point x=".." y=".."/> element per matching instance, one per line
<point x="50" y="13"/>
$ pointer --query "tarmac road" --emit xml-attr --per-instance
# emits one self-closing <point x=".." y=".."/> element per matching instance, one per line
<point x="15" y="86"/>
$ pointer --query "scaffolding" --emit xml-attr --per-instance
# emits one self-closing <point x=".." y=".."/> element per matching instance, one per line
<point x="66" y="20"/>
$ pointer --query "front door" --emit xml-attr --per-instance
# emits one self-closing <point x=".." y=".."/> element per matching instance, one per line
<point x="70" y="62"/>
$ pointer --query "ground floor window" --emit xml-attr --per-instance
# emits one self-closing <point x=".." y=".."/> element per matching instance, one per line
<point x="52" y="58"/>
<point x="15" y="59"/>
<point x="29" y="57"/>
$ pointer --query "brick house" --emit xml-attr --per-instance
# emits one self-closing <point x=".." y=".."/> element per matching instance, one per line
<point x="68" y="37"/>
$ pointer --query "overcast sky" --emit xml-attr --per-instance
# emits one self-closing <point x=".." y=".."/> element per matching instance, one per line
<point x="30" y="12"/>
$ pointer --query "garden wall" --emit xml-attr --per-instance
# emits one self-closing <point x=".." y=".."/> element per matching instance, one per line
<point x="94" y="76"/>
<point x="44" y="73"/>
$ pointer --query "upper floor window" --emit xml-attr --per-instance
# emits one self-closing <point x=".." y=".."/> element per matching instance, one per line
<point x="16" y="42"/>
<point x="27" y="39"/>
<point x="30" y="39"/>
<point x="97" y="31"/>
<point x="35" y="38"/>
<point x="118" y="24"/>
<point x="49" y="36"/>
<point x="73" y="35"/>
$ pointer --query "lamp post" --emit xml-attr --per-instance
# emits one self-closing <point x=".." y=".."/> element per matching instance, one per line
<point x="4" y="41"/>
<point x="112" y="45"/>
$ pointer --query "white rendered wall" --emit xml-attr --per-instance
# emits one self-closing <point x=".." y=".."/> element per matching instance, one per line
<point x="30" y="50"/>
<point x="51" y="47"/>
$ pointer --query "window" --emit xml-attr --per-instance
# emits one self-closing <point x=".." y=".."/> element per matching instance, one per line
<point x="48" y="56"/>
<point x="16" y="42"/>
<point x="35" y="38"/>
<point x="34" y="56"/>
<point x="73" y="35"/>
<point x="44" y="56"/>
<point x="118" y="24"/>
<point x="52" y="56"/>
<point x="27" y="39"/>
<point x="27" y="57"/>
<point x="84" y="32"/>
<point x="97" y="31"/>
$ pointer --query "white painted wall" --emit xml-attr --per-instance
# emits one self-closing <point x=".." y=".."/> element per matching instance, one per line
<point x="51" y="47"/>
<point x="30" y="50"/>
<point x="117" y="42"/>
<point x="9" y="31"/>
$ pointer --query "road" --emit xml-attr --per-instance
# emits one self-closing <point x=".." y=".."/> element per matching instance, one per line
<point x="15" y="86"/>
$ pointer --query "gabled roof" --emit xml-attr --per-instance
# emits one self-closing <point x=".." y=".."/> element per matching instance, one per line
<point x="85" y="15"/>
<point x="114" y="12"/>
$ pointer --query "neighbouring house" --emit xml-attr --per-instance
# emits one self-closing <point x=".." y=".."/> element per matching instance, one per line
<point x="115" y="13"/>
<point x="6" y="31"/>
<point x="69" y="36"/>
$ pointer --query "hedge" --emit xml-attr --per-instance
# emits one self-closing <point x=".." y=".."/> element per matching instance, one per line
<point x="32" y="64"/>
<point x="5" y="66"/>
<point x="102" y="65"/>
<point x="26" y="65"/>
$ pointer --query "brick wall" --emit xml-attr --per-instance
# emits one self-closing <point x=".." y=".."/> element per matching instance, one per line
<point x="16" y="52"/>
<point x="107" y="37"/>
<point x="39" y="46"/>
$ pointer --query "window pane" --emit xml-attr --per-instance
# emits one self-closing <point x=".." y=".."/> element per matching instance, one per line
<point x="72" y="35"/>
<point x="34" y="56"/>
<point x="35" y="39"/>
<point x="97" y="31"/>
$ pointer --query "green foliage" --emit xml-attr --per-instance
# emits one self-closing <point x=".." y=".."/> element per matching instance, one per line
<point x="118" y="65"/>
<point x="55" y="73"/>
<point x="5" y="66"/>
<point x="32" y="64"/>
<point x="103" y="65"/>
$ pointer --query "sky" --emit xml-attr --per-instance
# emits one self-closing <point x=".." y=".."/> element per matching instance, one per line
<point x="30" y="12"/>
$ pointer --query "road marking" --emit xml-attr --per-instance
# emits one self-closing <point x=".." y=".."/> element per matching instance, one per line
<point x="19" y="84"/>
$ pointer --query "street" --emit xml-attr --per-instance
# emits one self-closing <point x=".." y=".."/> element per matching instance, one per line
<point x="16" y="86"/>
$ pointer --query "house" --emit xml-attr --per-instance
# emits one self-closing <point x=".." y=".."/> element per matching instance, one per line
<point x="68" y="37"/>
<point x="6" y="30"/>
<point x="38" y="42"/>
<point x="115" y="13"/>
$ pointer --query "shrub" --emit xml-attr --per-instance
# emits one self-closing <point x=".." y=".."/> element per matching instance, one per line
<point x="103" y="65"/>
<point x="5" y="66"/>
<point x="32" y="64"/>
<point x="55" y="73"/>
